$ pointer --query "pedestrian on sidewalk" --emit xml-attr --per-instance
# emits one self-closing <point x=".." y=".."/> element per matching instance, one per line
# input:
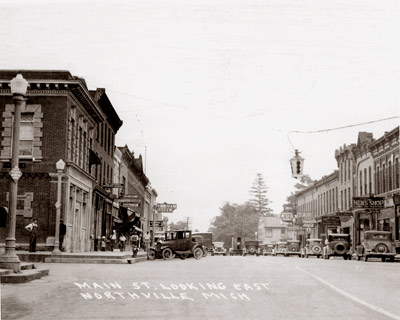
<point x="134" y="243"/>
<point x="113" y="239"/>
<point x="63" y="231"/>
<point x="32" y="228"/>
<point x="146" y="241"/>
<point x="103" y="243"/>
<point x="122" y="240"/>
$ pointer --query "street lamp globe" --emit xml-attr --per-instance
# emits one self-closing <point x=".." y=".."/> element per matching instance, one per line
<point x="19" y="85"/>
<point x="60" y="165"/>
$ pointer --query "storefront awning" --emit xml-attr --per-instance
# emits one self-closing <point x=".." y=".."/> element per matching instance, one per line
<point x="386" y="213"/>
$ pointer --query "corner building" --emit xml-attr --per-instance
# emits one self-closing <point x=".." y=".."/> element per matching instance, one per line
<point x="59" y="121"/>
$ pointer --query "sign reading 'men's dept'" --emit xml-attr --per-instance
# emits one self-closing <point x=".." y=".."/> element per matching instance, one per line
<point x="368" y="202"/>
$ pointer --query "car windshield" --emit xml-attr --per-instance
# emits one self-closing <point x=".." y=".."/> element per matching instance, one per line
<point x="336" y="238"/>
<point x="379" y="236"/>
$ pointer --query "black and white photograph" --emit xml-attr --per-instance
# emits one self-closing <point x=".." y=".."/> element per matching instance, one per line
<point x="199" y="159"/>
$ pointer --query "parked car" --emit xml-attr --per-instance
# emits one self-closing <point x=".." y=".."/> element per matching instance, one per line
<point x="178" y="243"/>
<point x="377" y="244"/>
<point x="280" y="248"/>
<point x="207" y="239"/>
<point x="267" y="249"/>
<point x="314" y="247"/>
<point x="218" y="249"/>
<point x="200" y="240"/>
<point x="251" y="247"/>
<point x="292" y="248"/>
<point x="338" y="245"/>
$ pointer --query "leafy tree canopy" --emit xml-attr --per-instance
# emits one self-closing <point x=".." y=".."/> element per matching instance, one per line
<point x="235" y="221"/>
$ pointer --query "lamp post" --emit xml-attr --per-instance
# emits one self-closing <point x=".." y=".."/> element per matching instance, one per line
<point x="10" y="259"/>
<point x="60" y="165"/>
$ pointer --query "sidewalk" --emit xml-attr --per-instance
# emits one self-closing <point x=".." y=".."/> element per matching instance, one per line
<point x="115" y="256"/>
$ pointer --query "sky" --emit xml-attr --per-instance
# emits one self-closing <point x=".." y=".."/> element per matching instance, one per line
<point x="210" y="91"/>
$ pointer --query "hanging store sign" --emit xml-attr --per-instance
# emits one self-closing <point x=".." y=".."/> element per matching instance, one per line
<point x="287" y="217"/>
<point x="368" y="202"/>
<point x="308" y="225"/>
<point x="331" y="221"/>
<point x="157" y="223"/>
<point x="165" y="207"/>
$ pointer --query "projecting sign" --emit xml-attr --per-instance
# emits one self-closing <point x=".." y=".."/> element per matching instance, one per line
<point x="331" y="221"/>
<point x="287" y="217"/>
<point x="165" y="207"/>
<point x="371" y="202"/>
<point x="308" y="225"/>
<point x="157" y="223"/>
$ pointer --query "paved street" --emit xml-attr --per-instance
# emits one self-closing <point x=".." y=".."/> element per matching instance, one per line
<point x="211" y="288"/>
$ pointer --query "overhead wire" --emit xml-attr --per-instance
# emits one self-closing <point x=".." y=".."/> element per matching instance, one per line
<point x="337" y="128"/>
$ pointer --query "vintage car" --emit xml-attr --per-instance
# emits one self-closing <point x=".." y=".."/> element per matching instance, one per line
<point x="280" y="248"/>
<point x="377" y="244"/>
<point x="292" y="248"/>
<point x="200" y="240"/>
<point x="207" y="239"/>
<point x="251" y="247"/>
<point x="177" y="243"/>
<point x="338" y="245"/>
<point x="218" y="249"/>
<point x="267" y="249"/>
<point x="314" y="247"/>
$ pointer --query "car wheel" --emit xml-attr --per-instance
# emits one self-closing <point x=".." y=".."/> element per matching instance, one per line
<point x="151" y="254"/>
<point x="197" y="253"/>
<point x="339" y="248"/>
<point x="381" y="248"/>
<point x="316" y="249"/>
<point x="167" y="254"/>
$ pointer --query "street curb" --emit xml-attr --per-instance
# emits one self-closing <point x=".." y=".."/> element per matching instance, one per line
<point x="24" y="276"/>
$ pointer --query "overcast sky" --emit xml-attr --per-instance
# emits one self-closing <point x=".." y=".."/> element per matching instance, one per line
<point x="213" y="87"/>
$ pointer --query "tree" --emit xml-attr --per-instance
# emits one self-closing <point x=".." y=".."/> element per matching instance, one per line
<point x="234" y="221"/>
<point x="179" y="225"/>
<point x="303" y="183"/>
<point x="259" y="198"/>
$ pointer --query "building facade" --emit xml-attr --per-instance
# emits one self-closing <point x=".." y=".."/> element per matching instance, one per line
<point x="271" y="229"/>
<point x="58" y="122"/>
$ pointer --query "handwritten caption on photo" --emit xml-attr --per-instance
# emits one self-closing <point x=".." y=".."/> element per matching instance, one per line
<point x="172" y="291"/>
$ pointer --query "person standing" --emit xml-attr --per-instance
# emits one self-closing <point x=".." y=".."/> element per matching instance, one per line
<point x="146" y="241"/>
<point x="134" y="244"/>
<point x="103" y="243"/>
<point x="113" y="239"/>
<point x="122" y="240"/>
<point x="63" y="231"/>
<point x="32" y="228"/>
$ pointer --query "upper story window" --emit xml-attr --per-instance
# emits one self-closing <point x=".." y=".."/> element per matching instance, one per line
<point x="26" y="135"/>
<point x="397" y="174"/>
<point x="30" y="140"/>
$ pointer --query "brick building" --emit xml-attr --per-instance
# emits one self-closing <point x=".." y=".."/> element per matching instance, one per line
<point x="101" y="166"/>
<point x="62" y="120"/>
